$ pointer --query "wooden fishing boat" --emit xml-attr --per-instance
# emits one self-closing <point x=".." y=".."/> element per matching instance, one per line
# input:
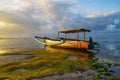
<point x="69" y="43"/>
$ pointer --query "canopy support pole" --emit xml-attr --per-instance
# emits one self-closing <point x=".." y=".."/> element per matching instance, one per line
<point x="65" y="35"/>
<point x="77" y="35"/>
<point x="58" y="35"/>
<point x="84" y="35"/>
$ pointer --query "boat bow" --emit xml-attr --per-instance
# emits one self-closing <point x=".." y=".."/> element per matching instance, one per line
<point x="56" y="42"/>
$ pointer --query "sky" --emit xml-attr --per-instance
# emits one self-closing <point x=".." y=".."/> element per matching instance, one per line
<point x="27" y="18"/>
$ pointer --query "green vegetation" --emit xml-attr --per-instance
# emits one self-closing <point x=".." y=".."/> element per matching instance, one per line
<point x="45" y="63"/>
<point x="117" y="64"/>
<point x="48" y="63"/>
<point x="102" y="69"/>
<point x="97" y="76"/>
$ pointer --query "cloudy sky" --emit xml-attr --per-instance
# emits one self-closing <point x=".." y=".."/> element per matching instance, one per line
<point x="26" y="18"/>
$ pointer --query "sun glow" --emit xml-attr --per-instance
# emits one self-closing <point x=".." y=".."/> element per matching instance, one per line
<point x="2" y="24"/>
<point x="6" y="24"/>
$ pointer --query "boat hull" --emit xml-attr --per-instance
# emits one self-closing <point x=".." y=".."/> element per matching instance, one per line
<point x="68" y="44"/>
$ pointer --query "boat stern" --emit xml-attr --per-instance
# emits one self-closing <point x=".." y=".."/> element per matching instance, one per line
<point x="93" y="45"/>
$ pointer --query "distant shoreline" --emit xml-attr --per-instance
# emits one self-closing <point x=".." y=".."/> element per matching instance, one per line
<point x="15" y="38"/>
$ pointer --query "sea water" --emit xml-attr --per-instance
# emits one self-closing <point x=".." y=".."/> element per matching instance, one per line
<point x="18" y="44"/>
<point x="109" y="50"/>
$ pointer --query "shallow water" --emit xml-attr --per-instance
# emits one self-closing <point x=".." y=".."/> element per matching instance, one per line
<point x="109" y="51"/>
<point x="11" y="45"/>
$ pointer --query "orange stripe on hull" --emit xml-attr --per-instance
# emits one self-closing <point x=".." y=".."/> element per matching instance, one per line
<point x="69" y="44"/>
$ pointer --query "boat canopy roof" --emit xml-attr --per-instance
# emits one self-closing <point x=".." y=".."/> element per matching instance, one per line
<point x="76" y="30"/>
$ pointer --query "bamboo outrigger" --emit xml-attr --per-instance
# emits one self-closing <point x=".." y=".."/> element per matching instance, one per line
<point x="69" y="42"/>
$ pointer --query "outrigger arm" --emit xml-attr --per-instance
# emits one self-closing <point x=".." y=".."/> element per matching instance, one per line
<point x="44" y="43"/>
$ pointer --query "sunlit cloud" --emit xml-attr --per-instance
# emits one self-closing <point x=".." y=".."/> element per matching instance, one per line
<point x="36" y="17"/>
<point x="66" y="1"/>
<point x="47" y="8"/>
<point x="102" y="14"/>
<point x="14" y="5"/>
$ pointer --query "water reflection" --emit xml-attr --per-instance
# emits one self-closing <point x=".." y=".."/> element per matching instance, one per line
<point x="12" y="50"/>
<point x="110" y="47"/>
<point x="117" y="53"/>
<point x="11" y="45"/>
<point x="110" y="52"/>
<point x="82" y="55"/>
<point x="3" y="51"/>
<point x="113" y="48"/>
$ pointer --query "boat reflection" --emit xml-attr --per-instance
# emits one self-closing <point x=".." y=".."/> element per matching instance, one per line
<point x="76" y="54"/>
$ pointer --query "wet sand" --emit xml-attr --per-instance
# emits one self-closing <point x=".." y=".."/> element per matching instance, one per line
<point x="11" y="58"/>
<point x="69" y="76"/>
